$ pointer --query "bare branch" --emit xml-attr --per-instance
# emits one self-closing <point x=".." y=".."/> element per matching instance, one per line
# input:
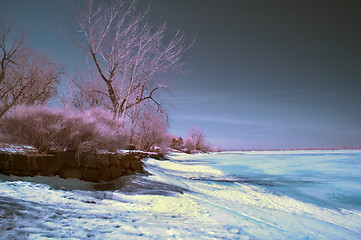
<point x="26" y="76"/>
<point x="130" y="55"/>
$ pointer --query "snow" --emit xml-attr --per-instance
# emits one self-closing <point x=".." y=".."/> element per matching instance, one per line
<point x="13" y="148"/>
<point x="187" y="197"/>
<point x="188" y="170"/>
<point x="57" y="213"/>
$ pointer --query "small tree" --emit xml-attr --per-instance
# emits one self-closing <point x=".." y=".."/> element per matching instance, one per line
<point x="196" y="141"/>
<point x="26" y="76"/>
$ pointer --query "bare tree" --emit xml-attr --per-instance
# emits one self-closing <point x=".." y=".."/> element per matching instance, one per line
<point x="26" y="76"/>
<point x="132" y="58"/>
<point x="196" y="141"/>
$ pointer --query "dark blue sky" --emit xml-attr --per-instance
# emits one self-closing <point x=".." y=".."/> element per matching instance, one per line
<point x="264" y="74"/>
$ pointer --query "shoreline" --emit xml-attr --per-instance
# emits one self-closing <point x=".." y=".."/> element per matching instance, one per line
<point x="291" y="149"/>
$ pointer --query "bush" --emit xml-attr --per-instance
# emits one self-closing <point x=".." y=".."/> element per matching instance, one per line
<point x="58" y="130"/>
<point x="195" y="142"/>
<point x="177" y="143"/>
<point x="150" y="132"/>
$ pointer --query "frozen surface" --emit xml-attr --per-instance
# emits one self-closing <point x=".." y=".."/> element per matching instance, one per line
<point x="12" y="148"/>
<point x="231" y="195"/>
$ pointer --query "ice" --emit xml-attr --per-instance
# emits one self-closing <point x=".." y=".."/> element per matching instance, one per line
<point x="191" y="197"/>
<point x="187" y="170"/>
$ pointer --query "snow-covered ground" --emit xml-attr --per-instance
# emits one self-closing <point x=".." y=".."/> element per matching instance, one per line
<point x="230" y="195"/>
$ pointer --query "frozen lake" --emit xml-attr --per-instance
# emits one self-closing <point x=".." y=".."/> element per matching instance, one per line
<point x="229" y="195"/>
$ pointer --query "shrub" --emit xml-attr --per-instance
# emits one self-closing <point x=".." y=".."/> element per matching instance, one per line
<point x="177" y="143"/>
<point x="58" y="130"/>
<point x="150" y="131"/>
<point x="196" y="141"/>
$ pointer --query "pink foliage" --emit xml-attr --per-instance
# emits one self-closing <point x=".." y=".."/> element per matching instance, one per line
<point x="48" y="129"/>
<point x="196" y="141"/>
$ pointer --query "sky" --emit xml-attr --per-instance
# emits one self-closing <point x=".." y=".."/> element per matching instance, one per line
<point x="262" y="74"/>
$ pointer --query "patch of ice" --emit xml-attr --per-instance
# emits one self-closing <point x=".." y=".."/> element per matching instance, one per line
<point x="295" y="152"/>
<point x="186" y="170"/>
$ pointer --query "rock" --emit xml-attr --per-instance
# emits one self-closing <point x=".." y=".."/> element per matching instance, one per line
<point x="91" y="175"/>
<point x="117" y="172"/>
<point x="91" y="160"/>
<point x="67" y="159"/>
<point x="5" y="160"/>
<point x="26" y="174"/>
<point x="70" y="173"/>
<point x="45" y="164"/>
<point x="20" y="162"/>
<point x="115" y="160"/>
<point x="136" y="166"/>
<point x="124" y="162"/>
<point x="104" y="160"/>
<point x="107" y="174"/>
<point x="89" y="167"/>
